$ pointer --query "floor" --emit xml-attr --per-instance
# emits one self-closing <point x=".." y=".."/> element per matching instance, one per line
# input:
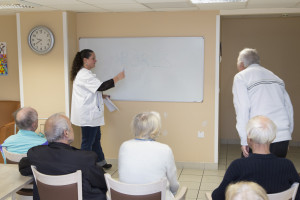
<point x="201" y="181"/>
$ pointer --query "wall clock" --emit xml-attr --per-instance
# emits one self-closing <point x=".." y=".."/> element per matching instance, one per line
<point x="41" y="39"/>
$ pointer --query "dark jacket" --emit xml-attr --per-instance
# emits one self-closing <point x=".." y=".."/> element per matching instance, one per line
<point x="59" y="159"/>
<point x="272" y="173"/>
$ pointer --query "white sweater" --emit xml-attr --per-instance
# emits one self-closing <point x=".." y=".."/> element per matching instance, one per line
<point x="142" y="162"/>
<point x="257" y="91"/>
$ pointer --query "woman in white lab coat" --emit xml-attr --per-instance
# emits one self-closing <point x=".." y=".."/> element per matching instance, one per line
<point x="87" y="109"/>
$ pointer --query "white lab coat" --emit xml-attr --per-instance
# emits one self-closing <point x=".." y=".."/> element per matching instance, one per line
<point x="87" y="103"/>
<point x="258" y="91"/>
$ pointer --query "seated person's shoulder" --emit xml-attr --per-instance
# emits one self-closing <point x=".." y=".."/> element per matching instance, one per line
<point x="86" y="155"/>
<point x="37" y="150"/>
<point x="11" y="138"/>
<point x="286" y="161"/>
<point x="163" y="146"/>
<point x="38" y="147"/>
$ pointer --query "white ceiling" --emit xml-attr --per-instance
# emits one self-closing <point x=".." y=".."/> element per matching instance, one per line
<point x="250" y="7"/>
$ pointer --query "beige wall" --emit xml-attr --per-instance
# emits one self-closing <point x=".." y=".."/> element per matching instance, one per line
<point x="43" y="75"/>
<point x="277" y="41"/>
<point x="44" y="86"/>
<point x="180" y="121"/>
<point x="10" y="83"/>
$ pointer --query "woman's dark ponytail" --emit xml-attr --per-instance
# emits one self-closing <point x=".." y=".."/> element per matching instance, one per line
<point x="78" y="61"/>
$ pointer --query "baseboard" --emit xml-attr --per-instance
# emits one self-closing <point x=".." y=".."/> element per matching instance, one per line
<point x="181" y="165"/>
<point x="112" y="161"/>
<point x="194" y="165"/>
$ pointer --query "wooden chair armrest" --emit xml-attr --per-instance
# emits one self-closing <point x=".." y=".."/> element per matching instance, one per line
<point x="181" y="194"/>
<point x="208" y="195"/>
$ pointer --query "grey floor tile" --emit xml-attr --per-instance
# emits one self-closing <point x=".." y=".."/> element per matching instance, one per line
<point x="192" y="194"/>
<point x="190" y="185"/>
<point x="112" y="170"/>
<point x="212" y="179"/>
<point x="201" y="195"/>
<point x="192" y="172"/>
<point x="214" y="173"/>
<point x="192" y="178"/>
<point x="208" y="186"/>
<point x="115" y="175"/>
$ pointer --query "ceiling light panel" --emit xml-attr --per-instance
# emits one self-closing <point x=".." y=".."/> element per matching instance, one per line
<point x="221" y="6"/>
<point x="108" y="1"/>
<point x="124" y="7"/>
<point x="16" y="4"/>
<point x="216" y="1"/>
<point x="176" y="9"/>
<point x="169" y="5"/>
<point x="55" y="2"/>
<point x="37" y="9"/>
<point x="161" y="1"/>
<point x="86" y="10"/>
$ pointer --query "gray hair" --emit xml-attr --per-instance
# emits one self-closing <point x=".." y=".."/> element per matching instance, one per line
<point x="245" y="190"/>
<point x="25" y="117"/>
<point x="261" y="130"/>
<point x="146" y="125"/>
<point x="55" y="126"/>
<point x="248" y="57"/>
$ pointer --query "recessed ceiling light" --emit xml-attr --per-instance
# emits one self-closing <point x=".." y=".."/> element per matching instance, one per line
<point x="13" y="4"/>
<point x="217" y="1"/>
<point x="7" y="6"/>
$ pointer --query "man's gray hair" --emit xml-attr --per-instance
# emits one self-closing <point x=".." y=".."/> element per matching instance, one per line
<point x="25" y="117"/>
<point x="146" y="125"/>
<point x="261" y="130"/>
<point x="56" y="124"/>
<point x="248" y="57"/>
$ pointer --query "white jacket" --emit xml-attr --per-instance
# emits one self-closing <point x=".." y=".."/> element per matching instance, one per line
<point x="142" y="162"/>
<point x="87" y="103"/>
<point x="258" y="91"/>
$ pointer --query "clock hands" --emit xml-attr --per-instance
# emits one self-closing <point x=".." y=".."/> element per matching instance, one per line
<point x="38" y="40"/>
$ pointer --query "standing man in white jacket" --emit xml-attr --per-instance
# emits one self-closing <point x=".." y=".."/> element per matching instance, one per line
<point x="258" y="91"/>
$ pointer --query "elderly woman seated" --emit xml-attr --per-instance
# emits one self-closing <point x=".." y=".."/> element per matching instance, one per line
<point x="245" y="190"/>
<point x="272" y="173"/>
<point x="143" y="160"/>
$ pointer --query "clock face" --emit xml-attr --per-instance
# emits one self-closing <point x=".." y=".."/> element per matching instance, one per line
<point x="41" y="39"/>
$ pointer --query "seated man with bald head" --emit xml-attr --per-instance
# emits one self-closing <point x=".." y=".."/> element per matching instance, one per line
<point x="27" y="121"/>
<point x="59" y="158"/>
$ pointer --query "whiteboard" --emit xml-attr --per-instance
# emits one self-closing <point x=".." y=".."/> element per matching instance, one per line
<point x="156" y="68"/>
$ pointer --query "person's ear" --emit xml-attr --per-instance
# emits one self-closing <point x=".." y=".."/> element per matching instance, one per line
<point x="250" y="142"/>
<point x="84" y="61"/>
<point x="241" y="66"/>
<point x="35" y="125"/>
<point x="66" y="134"/>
